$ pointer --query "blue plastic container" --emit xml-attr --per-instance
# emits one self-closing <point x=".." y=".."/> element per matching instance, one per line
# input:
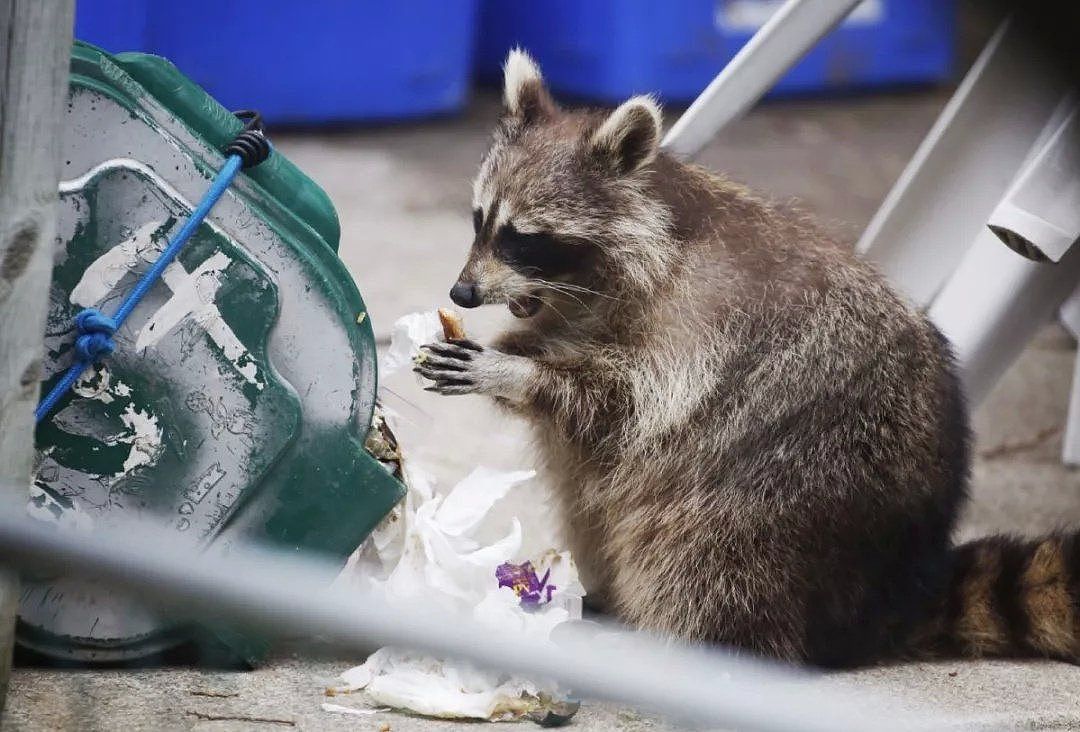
<point x="607" y="50"/>
<point x="115" y="25"/>
<point x="305" y="62"/>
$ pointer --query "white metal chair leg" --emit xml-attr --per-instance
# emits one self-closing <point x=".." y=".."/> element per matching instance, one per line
<point x="1069" y="314"/>
<point x="1070" y="448"/>
<point x="998" y="297"/>
<point x="960" y="172"/>
<point x="777" y="46"/>
<point x="1040" y="216"/>
<point x="994" y="303"/>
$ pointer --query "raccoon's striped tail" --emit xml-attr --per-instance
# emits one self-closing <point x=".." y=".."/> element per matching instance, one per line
<point x="1010" y="597"/>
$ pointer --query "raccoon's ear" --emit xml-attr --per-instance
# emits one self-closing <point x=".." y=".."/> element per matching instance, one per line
<point x="630" y="137"/>
<point x="524" y="94"/>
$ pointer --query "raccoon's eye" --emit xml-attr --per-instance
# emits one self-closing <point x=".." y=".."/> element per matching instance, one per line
<point x="536" y="255"/>
<point x="518" y="248"/>
<point x="477" y="220"/>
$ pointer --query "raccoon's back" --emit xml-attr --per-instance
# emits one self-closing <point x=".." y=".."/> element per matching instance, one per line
<point x="840" y="422"/>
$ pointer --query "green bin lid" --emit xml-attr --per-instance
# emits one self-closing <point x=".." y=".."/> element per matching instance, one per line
<point x="236" y="405"/>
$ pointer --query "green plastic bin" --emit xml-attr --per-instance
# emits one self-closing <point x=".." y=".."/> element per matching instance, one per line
<point x="238" y="401"/>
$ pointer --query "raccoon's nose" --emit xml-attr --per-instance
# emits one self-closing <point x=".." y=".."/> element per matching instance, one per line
<point x="465" y="294"/>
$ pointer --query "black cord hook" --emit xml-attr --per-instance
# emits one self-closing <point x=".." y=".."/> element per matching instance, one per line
<point x="251" y="143"/>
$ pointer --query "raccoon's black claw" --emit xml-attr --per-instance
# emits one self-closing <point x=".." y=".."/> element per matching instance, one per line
<point x="450" y="350"/>
<point x="440" y="377"/>
<point x="456" y="366"/>
<point x="451" y="389"/>
<point x="430" y="359"/>
<point x="465" y="343"/>
<point x="427" y="372"/>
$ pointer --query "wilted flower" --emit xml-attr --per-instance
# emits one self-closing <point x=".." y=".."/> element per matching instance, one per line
<point x="522" y="579"/>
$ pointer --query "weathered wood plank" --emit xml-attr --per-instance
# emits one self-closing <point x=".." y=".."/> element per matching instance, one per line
<point x="35" y="48"/>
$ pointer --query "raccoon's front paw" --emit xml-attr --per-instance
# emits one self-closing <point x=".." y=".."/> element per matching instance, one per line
<point x="462" y="366"/>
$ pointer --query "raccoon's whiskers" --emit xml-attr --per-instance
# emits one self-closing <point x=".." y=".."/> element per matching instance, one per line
<point x="568" y="293"/>
<point x="566" y="286"/>
<point x="552" y="306"/>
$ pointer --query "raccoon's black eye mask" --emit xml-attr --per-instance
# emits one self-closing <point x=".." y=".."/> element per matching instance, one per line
<point x="537" y="255"/>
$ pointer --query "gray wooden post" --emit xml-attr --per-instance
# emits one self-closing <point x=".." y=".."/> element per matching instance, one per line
<point x="35" y="51"/>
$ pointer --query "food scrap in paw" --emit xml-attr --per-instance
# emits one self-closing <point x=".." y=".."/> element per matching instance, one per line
<point x="452" y="327"/>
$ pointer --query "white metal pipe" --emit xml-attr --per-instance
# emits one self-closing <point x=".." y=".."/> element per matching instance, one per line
<point x="941" y="202"/>
<point x="1040" y="215"/>
<point x="777" y="46"/>
<point x="285" y="594"/>
<point x="1069" y="316"/>
<point x="1070" y="443"/>
<point x="994" y="303"/>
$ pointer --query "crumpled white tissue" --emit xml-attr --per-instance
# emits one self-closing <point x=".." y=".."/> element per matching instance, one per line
<point x="442" y="548"/>
<point x="408" y="334"/>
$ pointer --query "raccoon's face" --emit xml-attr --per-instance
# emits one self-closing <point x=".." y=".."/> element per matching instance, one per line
<point x="556" y="198"/>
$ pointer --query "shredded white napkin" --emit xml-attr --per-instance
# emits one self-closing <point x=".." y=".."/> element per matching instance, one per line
<point x="442" y="547"/>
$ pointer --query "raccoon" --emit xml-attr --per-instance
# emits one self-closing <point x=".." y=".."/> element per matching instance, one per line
<point x="754" y="441"/>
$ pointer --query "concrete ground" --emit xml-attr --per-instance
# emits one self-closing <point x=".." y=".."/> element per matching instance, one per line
<point x="403" y="197"/>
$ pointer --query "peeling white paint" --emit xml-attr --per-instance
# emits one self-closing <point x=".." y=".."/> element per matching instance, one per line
<point x="102" y="277"/>
<point x="94" y="384"/>
<point x="193" y="296"/>
<point x="144" y="436"/>
<point x="97" y="383"/>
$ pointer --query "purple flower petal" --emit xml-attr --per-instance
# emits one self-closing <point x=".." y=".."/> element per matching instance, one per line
<point x="522" y="579"/>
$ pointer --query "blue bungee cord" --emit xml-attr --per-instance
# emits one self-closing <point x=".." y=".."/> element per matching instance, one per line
<point x="95" y="329"/>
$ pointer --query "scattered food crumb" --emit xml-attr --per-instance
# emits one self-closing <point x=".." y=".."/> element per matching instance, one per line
<point x="953" y="673"/>
<point x="385" y="727"/>
<point x="240" y="718"/>
<point x="214" y="694"/>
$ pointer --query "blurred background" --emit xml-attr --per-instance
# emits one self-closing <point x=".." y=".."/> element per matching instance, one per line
<point x="389" y="105"/>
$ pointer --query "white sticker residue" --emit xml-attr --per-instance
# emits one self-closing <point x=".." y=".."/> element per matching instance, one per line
<point x="102" y="277"/>
<point x="193" y="296"/>
<point x="144" y="436"/>
<point x="95" y="383"/>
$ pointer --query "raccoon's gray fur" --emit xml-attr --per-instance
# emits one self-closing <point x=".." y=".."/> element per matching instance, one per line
<point x="754" y="440"/>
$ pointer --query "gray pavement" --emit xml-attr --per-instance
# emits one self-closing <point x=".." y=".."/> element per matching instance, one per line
<point x="403" y="197"/>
